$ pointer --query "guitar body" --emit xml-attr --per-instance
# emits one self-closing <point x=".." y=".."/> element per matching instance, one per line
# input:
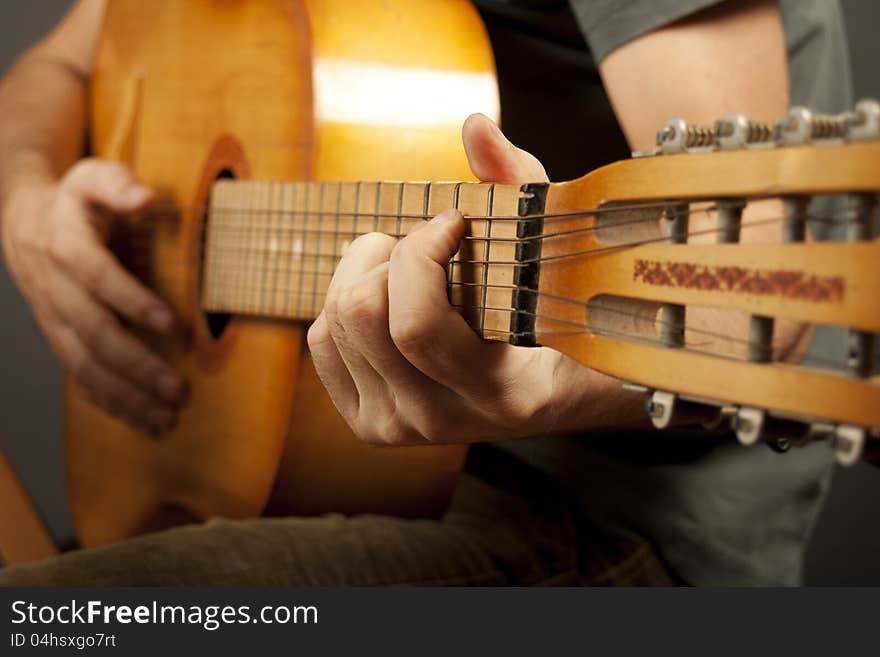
<point x="186" y="92"/>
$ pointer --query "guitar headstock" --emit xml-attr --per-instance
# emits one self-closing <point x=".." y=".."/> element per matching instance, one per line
<point x="649" y="266"/>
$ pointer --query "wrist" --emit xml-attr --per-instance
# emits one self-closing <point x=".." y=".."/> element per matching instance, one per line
<point x="586" y="400"/>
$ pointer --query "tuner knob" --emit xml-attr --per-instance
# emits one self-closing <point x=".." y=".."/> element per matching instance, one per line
<point x="794" y="127"/>
<point x="849" y="444"/>
<point x="737" y="131"/>
<point x="864" y="122"/>
<point x="661" y="408"/>
<point x="677" y="136"/>
<point x="748" y="423"/>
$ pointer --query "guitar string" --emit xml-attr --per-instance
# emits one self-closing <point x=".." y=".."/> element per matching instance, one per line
<point x="167" y="210"/>
<point x="587" y="328"/>
<point x="144" y="242"/>
<point x="241" y="290"/>
<point x="594" y="328"/>
<point x="297" y="253"/>
<point x="582" y="306"/>
<point x="225" y="228"/>
<point x="706" y="210"/>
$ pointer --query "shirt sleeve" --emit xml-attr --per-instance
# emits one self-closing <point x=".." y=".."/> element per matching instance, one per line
<point x="608" y="24"/>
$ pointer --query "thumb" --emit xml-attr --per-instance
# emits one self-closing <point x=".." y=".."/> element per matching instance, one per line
<point x="493" y="158"/>
<point x="107" y="184"/>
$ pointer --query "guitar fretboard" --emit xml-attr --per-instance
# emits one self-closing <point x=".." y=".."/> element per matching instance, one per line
<point x="271" y="247"/>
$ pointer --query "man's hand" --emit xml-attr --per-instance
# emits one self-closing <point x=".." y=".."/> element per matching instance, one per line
<point x="54" y="241"/>
<point x="403" y="367"/>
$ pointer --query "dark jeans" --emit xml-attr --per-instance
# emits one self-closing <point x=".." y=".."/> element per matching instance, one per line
<point x="508" y="525"/>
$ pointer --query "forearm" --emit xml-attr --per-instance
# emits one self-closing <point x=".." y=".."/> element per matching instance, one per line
<point x="43" y="102"/>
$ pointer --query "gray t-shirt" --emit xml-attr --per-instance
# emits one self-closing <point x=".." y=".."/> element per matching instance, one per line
<point x="717" y="513"/>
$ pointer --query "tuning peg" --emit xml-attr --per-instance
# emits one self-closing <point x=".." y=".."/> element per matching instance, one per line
<point x="753" y="425"/>
<point x="801" y="126"/>
<point x="665" y="408"/>
<point x="676" y="136"/>
<point x="864" y="122"/>
<point x="748" y="423"/>
<point x="849" y="444"/>
<point x="738" y="131"/>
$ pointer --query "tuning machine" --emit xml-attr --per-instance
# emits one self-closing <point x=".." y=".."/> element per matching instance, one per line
<point x="668" y="408"/>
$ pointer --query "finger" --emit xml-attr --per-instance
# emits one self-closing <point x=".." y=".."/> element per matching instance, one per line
<point x="493" y="158"/>
<point x="331" y="369"/>
<point x="105" y="389"/>
<point x="364" y="317"/>
<point x="366" y="321"/>
<point x="365" y="253"/>
<point x="95" y="267"/>
<point x="108" y="184"/>
<point x="107" y="341"/>
<point x="423" y="325"/>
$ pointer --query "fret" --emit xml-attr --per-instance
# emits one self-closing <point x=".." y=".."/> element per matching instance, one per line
<point x="298" y="255"/>
<point x="348" y="208"/>
<point x="440" y="197"/>
<point x="499" y="277"/>
<point x="367" y="219"/>
<point x="288" y="205"/>
<point x="487" y="233"/>
<point x="276" y="223"/>
<point x="253" y="244"/>
<point x="412" y="202"/>
<point x="271" y="248"/>
<point x="238" y="217"/>
<point x="388" y="207"/>
<point x="266" y="239"/>
<point x="398" y="231"/>
<point x="213" y="272"/>
<point x="466" y="291"/>
<point x="323" y="264"/>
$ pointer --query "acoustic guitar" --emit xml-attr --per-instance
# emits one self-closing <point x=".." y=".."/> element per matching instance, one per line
<point x="258" y="123"/>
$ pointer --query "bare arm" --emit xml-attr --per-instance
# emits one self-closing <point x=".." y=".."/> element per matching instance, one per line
<point x="55" y="214"/>
<point x="43" y="102"/>
<point x="730" y="57"/>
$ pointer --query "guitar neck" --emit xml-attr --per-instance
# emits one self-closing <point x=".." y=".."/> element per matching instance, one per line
<point x="271" y="248"/>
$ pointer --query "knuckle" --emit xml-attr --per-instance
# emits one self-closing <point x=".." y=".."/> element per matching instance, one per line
<point x="114" y="176"/>
<point x="410" y="332"/>
<point x="318" y="335"/>
<point x="92" y="329"/>
<point x="377" y="242"/>
<point x="429" y="426"/>
<point x="60" y="248"/>
<point x="82" y="168"/>
<point x="390" y="430"/>
<point x="363" y="303"/>
<point x="95" y="274"/>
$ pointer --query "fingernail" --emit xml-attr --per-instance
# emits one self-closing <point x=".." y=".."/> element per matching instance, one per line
<point x="444" y="217"/>
<point x="138" y="193"/>
<point x="170" y="387"/>
<point x="159" y="319"/>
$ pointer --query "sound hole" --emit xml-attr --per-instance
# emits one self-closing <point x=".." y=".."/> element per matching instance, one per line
<point x="216" y="322"/>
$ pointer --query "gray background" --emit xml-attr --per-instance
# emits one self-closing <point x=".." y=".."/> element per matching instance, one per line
<point x="846" y="538"/>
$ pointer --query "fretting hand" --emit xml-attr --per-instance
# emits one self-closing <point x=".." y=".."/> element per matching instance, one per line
<point x="403" y="367"/>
